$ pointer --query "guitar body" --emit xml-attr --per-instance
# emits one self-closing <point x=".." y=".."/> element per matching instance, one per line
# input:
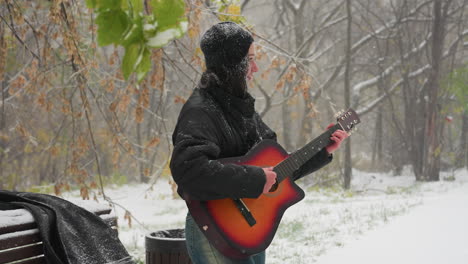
<point x="227" y="223"/>
<point x="222" y="222"/>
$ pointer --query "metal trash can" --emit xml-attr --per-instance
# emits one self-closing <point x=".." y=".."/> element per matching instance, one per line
<point x="166" y="247"/>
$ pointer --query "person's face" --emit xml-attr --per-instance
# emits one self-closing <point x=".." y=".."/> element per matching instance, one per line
<point x="252" y="64"/>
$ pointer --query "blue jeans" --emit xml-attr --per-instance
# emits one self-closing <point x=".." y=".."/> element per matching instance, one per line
<point x="202" y="252"/>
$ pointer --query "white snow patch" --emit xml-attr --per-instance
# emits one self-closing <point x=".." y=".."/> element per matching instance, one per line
<point x="15" y="217"/>
<point x="18" y="234"/>
<point x="381" y="213"/>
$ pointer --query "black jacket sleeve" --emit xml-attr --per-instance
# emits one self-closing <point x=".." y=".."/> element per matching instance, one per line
<point x="194" y="164"/>
<point x="318" y="161"/>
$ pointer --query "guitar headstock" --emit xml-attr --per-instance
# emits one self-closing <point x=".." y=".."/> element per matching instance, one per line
<point x="348" y="119"/>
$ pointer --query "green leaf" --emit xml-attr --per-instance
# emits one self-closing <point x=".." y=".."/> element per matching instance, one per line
<point x="137" y="58"/>
<point x="111" y="26"/>
<point x="164" y="37"/>
<point x="457" y="84"/>
<point x="131" y="59"/>
<point x="107" y="4"/>
<point x="168" y="12"/>
<point x="135" y="33"/>
<point x="144" y="66"/>
<point x="137" y="6"/>
<point x="91" y="3"/>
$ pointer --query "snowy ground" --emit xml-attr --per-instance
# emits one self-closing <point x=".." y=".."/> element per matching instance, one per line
<point x="383" y="218"/>
<point x="435" y="232"/>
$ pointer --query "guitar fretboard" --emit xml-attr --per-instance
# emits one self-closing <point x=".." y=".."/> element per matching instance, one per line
<point x="288" y="166"/>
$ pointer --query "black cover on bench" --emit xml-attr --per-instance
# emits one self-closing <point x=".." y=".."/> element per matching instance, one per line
<point x="70" y="233"/>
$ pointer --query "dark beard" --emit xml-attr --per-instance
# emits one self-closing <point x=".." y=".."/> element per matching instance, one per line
<point x="233" y="79"/>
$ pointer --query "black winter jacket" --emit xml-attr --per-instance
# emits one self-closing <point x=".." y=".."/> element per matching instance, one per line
<point x="213" y="125"/>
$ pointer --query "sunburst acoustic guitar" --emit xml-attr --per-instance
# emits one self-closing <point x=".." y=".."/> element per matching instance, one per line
<point x="239" y="228"/>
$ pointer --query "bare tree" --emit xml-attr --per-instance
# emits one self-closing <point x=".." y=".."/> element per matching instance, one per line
<point x="347" y="97"/>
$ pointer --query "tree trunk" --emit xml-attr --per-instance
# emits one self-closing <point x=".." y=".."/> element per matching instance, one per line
<point x="3" y="84"/>
<point x="286" y="118"/>
<point x="2" y="140"/>
<point x="347" y="84"/>
<point x="378" y="138"/>
<point x="305" y="125"/>
<point x="433" y="126"/>
<point x="462" y="157"/>
<point x="141" y="164"/>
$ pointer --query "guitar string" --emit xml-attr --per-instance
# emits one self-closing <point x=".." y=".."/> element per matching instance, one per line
<point x="289" y="165"/>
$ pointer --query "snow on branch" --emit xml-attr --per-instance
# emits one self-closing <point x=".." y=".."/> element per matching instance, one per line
<point x="360" y="43"/>
<point x="388" y="25"/>
<point x="368" y="83"/>
<point x="411" y="75"/>
<point x="379" y="99"/>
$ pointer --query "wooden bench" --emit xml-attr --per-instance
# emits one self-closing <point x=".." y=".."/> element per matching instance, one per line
<point x="20" y="241"/>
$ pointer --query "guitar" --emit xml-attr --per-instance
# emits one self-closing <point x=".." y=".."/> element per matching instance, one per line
<point x="239" y="228"/>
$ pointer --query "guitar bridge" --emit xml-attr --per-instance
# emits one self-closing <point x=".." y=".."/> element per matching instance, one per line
<point x="244" y="210"/>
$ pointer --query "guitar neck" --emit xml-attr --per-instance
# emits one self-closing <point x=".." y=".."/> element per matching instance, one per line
<point x="288" y="166"/>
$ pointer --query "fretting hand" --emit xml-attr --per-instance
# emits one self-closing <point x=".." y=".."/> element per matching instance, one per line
<point x="337" y="137"/>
